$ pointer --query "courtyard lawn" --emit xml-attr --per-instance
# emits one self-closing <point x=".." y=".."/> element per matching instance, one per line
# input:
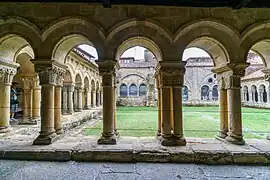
<point x="198" y="122"/>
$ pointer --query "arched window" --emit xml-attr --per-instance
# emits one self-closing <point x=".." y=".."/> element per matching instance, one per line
<point x="142" y="90"/>
<point x="185" y="93"/>
<point x="133" y="90"/>
<point x="215" y="93"/>
<point x="263" y="94"/>
<point x="123" y="90"/>
<point x="254" y="93"/>
<point x="246" y="94"/>
<point x="205" y="93"/>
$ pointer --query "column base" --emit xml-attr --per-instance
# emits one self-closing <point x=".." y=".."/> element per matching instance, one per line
<point x="235" y="139"/>
<point x="5" y="129"/>
<point x="167" y="140"/>
<point x="46" y="139"/>
<point x="116" y="133"/>
<point x="59" y="131"/>
<point x="221" y="135"/>
<point x="268" y="137"/>
<point x="27" y="121"/>
<point x="179" y="140"/>
<point x="107" y="139"/>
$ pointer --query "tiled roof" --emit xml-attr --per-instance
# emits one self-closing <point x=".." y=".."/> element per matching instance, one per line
<point x="254" y="75"/>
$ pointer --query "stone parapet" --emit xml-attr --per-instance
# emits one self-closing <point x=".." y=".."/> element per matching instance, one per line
<point x="141" y="150"/>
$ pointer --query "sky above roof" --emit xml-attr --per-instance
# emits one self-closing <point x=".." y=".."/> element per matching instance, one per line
<point x="138" y="52"/>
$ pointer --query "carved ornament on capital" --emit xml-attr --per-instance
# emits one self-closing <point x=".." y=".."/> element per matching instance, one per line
<point x="7" y="74"/>
<point x="50" y="72"/>
<point x="107" y="69"/>
<point x="28" y="82"/>
<point x="70" y="87"/>
<point x="171" y="74"/>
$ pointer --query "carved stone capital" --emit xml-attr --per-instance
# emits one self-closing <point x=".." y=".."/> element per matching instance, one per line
<point x="50" y="72"/>
<point x="70" y="87"/>
<point x="28" y="82"/>
<point x="171" y="73"/>
<point x="107" y="69"/>
<point x="7" y="74"/>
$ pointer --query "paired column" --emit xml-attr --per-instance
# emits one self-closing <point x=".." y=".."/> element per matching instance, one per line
<point x="107" y="70"/>
<point x="70" y="91"/>
<point x="88" y="98"/>
<point x="230" y="103"/>
<point x="171" y="76"/>
<point x="28" y="83"/>
<point x="79" y="100"/>
<point x="158" y="104"/>
<point x="98" y="98"/>
<point x="51" y="76"/>
<point x="6" y="76"/>
<point x="223" y="110"/>
<point x="65" y="99"/>
<point x="36" y="100"/>
<point x="58" y="101"/>
<point x="93" y="98"/>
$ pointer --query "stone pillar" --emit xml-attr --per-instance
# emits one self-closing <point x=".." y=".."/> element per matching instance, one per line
<point x="210" y="95"/>
<point x="70" y="89"/>
<point x="7" y="73"/>
<point x="57" y="102"/>
<point x="88" y="98"/>
<point x="158" y="104"/>
<point x="107" y="70"/>
<point x="177" y="84"/>
<point x="93" y="98"/>
<point x="223" y="110"/>
<point x="80" y="102"/>
<point x="28" y="83"/>
<point x="101" y="98"/>
<point x="36" y="102"/>
<point x="98" y="99"/>
<point x="166" y="107"/>
<point x="48" y="72"/>
<point x="233" y="87"/>
<point x="75" y="102"/>
<point x="65" y="100"/>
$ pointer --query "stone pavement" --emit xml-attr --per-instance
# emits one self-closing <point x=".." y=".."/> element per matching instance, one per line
<point x="33" y="170"/>
<point x="131" y="149"/>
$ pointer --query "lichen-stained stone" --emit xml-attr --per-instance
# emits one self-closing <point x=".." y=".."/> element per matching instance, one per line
<point x="250" y="157"/>
<point x="212" y="157"/>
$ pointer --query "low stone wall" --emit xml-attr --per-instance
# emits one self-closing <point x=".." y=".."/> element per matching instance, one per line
<point x="72" y="121"/>
<point x="201" y="103"/>
<point x="131" y="101"/>
<point x="256" y="105"/>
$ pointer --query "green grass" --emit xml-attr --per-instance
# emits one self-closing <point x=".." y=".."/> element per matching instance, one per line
<point x="198" y="122"/>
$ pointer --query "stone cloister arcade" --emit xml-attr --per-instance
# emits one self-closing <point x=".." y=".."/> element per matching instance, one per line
<point x="111" y="33"/>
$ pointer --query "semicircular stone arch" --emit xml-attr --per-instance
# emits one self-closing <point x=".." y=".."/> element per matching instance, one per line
<point x="257" y="38"/>
<point x="218" y="40"/>
<point x="140" y="33"/>
<point x="66" y="34"/>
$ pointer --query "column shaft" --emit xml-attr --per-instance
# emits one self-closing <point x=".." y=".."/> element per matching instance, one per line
<point x="80" y="102"/>
<point x="65" y="100"/>
<point x="27" y="105"/>
<point x="36" y="102"/>
<point x="235" y="117"/>
<point x="166" y="113"/>
<point x="93" y="99"/>
<point x="4" y="107"/>
<point x="159" y="112"/>
<point x="223" y="110"/>
<point x="47" y="132"/>
<point x="57" y="110"/>
<point x="70" y="99"/>
<point x="177" y="115"/>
